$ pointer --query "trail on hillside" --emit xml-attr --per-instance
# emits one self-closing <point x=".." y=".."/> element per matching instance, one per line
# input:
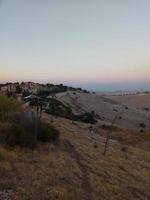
<point x="85" y="178"/>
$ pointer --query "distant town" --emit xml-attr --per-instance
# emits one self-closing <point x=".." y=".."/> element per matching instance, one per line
<point x="23" y="89"/>
<point x="26" y="88"/>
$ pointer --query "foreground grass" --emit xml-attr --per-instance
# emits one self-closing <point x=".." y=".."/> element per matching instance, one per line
<point x="75" y="169"/>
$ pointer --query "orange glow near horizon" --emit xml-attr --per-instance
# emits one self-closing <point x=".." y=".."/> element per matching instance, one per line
<point x="87" y="76"/>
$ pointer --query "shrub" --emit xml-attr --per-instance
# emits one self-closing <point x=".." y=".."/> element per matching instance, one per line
<point x="93" y="112"/>
<point x="142" y="125"/>
<point x="109" y="127"/>
<point x="115" y="110"/>
<point x="124" y="149"/>
<point x="85" y="91"/>
<point x="142" y="131"/>
<point x="7" y="107"/>
<point x="86" y="118"/>
<point x="48" y="133"/>
<point x="18" y="136"/>
<point x="58" y="108"/>
<point x="26" y="129"/>
<point x="146" y="109"/>
<point x="95" y="146"/>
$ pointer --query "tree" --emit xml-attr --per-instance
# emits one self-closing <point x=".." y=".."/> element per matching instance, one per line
<point x="18" y="89"/>
<point x="8" y="106"/>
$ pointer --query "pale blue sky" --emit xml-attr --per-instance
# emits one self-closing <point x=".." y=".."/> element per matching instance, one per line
<point x="102" y="44"/>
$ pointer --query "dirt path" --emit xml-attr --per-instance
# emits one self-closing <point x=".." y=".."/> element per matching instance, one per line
<point x="85" y="178"/>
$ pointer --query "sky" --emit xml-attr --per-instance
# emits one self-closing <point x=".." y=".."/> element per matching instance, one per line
<point x="97" y="44"/>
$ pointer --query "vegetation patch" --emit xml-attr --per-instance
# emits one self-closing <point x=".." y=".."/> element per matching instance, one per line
<point x="17" y="136"/>
<point x="59" y="109"/>
<point x="48" y="133"/>
<point x="7" y="107"/>
<point x="142" y="125"/>
<point x="86" y="118"/>
<point x="109" y="127"/>
<point x="24" y="129"/>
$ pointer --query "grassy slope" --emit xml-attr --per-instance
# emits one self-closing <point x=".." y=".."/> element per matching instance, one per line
<point x="75" y="169"/>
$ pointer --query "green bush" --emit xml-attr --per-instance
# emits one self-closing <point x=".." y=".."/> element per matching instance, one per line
<point x="26" y="129"/>
<point x="7" y="107"/>
<point x="142" y="125"/>
<point x="17" y="136"/>
<point x="86" y="118"/>
<point x="60" y="109"/>
<point x="48" y="133"/>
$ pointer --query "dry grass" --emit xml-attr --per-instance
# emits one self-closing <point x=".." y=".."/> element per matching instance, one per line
<point x="127" y="137"/>
<point x="6" y="154"/>
<point x="75" y="169"/>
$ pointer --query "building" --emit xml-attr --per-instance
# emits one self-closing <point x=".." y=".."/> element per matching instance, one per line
<point x="3" y="89"/>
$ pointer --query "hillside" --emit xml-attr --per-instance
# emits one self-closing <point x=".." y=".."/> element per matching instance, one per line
<point x="107" y="107"/>
<point x="138" y="101"/>
<point x="76" y="168"/>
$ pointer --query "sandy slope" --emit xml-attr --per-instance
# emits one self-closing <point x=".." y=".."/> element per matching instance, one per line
<point x="139" y="101"/>
<point x="107" y="107"/>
